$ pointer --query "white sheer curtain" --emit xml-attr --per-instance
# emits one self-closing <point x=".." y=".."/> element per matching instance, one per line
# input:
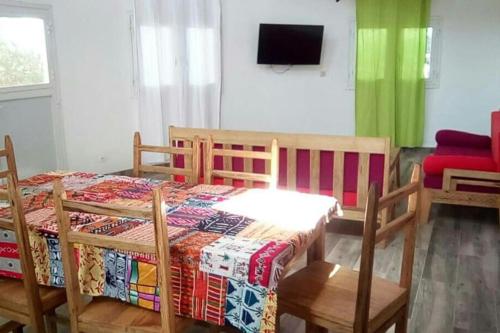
<point x="179" y="65"/>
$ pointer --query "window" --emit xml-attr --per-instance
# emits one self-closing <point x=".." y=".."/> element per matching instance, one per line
<point x="26" y="68"/>
<point x="432" y="66"/>
<point x="432" y="52"/>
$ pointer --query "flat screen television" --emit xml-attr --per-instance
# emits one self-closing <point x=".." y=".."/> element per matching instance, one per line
<point x="290" y="44"/>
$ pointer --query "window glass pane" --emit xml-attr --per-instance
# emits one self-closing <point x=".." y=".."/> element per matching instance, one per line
<point x="428" y="49"/>
<point x="23" y="52"/>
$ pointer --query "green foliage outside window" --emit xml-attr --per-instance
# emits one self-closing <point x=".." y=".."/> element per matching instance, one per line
<point x="19" y="67"/>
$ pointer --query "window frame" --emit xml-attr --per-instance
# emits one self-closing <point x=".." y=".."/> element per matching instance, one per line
<point x="433" y="81"/>
<point x="20" y="9"/>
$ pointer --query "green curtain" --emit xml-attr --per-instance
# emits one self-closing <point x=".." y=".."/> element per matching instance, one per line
<point x="390" y="84"/>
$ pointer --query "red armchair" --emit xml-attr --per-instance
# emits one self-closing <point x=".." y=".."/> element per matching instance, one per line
<point x="463" y="170"/>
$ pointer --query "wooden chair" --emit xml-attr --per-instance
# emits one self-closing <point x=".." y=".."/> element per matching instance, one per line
<point x="104" y="314"/>
<point x="247" y="155"/>
<point x="344" y="300"/>
<point x="8" y="154"/>
<point x="189" y="171"/>
<point x="23" y="301"/>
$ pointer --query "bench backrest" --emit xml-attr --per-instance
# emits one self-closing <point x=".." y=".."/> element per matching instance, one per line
<point x="343" y="166"/>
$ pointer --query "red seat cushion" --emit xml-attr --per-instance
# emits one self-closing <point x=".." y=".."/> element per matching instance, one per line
<point x="435" y="164"/>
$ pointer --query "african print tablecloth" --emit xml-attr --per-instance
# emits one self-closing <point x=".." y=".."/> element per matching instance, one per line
<point x="229" y="245"/>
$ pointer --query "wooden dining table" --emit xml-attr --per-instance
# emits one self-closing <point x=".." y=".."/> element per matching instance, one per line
<point x="229" y="246"/>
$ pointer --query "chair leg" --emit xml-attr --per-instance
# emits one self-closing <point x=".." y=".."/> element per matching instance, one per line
<point x="51" y="321"/>
<point x="398" y="173"/>
<point x="402" y="322"/>
<point x="38" y="323"/>
<point x="425" y="205"/>
<point x="11" y="326"/>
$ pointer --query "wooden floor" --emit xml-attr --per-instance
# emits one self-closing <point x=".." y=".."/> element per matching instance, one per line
<point x="456" y="280"/>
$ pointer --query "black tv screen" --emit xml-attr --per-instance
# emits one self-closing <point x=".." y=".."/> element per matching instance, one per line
<point x="287" y="44"/>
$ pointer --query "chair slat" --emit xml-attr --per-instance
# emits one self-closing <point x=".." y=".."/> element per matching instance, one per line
<point x="6" y="224"/>
<point x="166" y="150"/>
<point x="110" y="242"/>
<point x="105" y="209"/>
<point x="314" y="170"/>
<point x="397" y="195"/>
<point x="248" y="154"/>
<point x="227" y="163"/>
<point x="248" y="164"/>
<point x="241" y="175"/>
<point x="363" y="178"/>
<point x="267" y="162"/>
<point x="338" y="176"/>
<point x="291" y="171"/>
<point x="188" y="161"/>
<point x="394" y="226"/>
<point x="165" y="169"/>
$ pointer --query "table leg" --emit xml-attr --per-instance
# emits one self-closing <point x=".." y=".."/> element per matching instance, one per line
<point x="316" y="252"/>
<point x="317" y="249"/>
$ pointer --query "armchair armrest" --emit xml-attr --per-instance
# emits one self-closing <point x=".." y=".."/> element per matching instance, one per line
<point x="454" y="177"/>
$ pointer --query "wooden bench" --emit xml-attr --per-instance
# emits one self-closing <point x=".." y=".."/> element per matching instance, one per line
<point x="343" y="166"/>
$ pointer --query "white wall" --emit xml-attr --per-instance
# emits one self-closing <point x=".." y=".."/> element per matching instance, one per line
<point x="470" y="67"/>
<point x="96" y="115"/>
<point x="256" y="98"/>
<point x="301" y="101"/>
<point x="98" y="108"/>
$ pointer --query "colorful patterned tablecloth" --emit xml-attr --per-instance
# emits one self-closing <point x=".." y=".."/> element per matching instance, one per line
<point x="228" y="245"/>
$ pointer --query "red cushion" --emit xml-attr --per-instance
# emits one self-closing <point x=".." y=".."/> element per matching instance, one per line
<point x="461" y="150"/>
<point x="435" y="164"/>
<point x="495" y="137"/>
<point x="459" y="138"/>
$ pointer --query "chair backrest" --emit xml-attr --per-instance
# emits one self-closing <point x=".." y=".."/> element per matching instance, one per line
<point x="160" y="248"/>
<point x="248" y="155"/>
<point x="17" y="225"/>
<point x="372" y="236"/>
<point x="8" y="153"/>
<point x="189" y="154"/>
<point x="340" y="165"/>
